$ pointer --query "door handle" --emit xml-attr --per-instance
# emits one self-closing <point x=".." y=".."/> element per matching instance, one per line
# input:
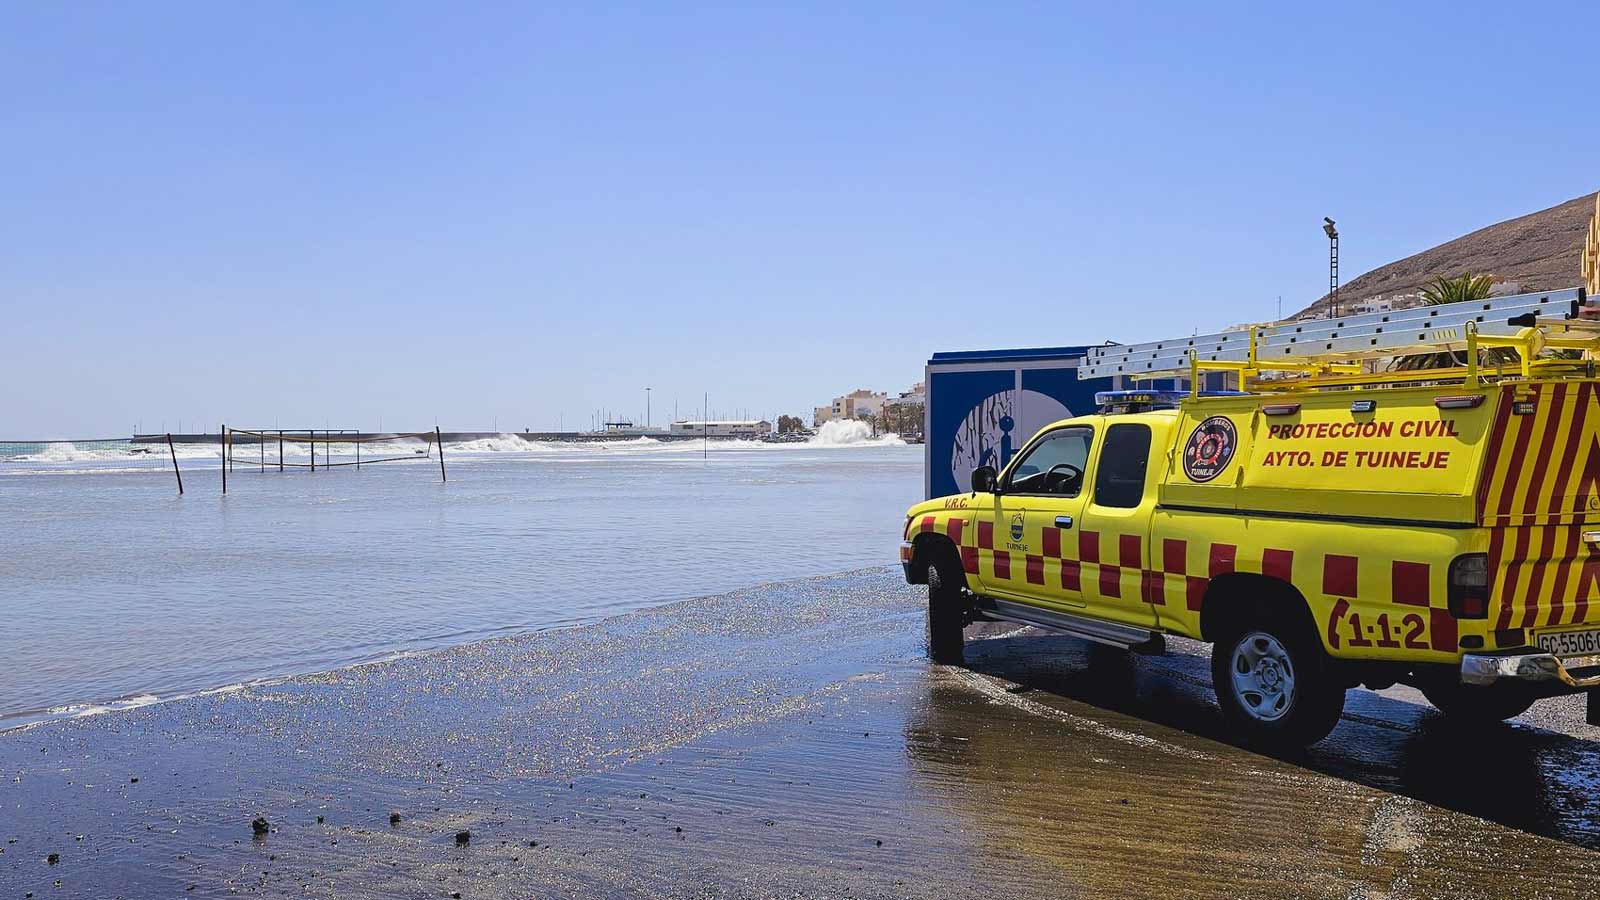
<point x="1063" y="521"/>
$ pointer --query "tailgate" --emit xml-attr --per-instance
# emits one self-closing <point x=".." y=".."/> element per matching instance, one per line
<point x="1539" y="495"/>
<point x="1544" y="575"/>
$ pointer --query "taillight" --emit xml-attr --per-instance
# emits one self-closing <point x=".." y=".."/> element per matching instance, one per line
<point x="1469" y="586"/>
<point x="905" y="533"/>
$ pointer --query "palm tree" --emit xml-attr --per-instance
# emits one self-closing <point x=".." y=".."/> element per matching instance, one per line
<point x="1442" y="290"/>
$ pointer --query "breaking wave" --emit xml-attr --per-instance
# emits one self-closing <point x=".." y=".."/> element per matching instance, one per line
<point x="68" y="452"/>
<point x="850" y="433"/>
<point x="105" y="457"/>
<point x="515" y="443"/>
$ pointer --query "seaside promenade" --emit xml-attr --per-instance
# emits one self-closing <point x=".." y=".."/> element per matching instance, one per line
<point x="786" y="740"/>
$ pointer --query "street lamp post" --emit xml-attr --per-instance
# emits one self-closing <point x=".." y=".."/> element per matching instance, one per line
<point x="1333" y="266"/>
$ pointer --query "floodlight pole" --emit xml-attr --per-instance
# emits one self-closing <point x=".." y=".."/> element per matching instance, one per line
<point x="1333" y="266"/>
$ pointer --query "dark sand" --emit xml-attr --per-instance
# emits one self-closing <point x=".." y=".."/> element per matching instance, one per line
<point x="787" y="741"/>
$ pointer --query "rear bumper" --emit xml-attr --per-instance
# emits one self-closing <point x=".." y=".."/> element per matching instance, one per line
<point x="1533" y="667"/>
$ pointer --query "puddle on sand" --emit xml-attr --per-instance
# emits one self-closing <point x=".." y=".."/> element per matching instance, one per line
<point x="1541" y="779"/>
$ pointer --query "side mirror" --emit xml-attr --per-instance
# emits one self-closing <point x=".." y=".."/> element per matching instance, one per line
<point x="983" y="479"/>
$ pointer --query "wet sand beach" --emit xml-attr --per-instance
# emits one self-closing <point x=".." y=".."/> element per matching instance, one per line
<point x="781" y="741"/>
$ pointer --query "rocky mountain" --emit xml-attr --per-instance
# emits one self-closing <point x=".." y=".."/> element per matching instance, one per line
<point x="1539" y="251"/>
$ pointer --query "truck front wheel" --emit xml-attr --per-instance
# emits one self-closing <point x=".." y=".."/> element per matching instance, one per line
<point x="946" y="607"/>
<point x="1274" y="685"/>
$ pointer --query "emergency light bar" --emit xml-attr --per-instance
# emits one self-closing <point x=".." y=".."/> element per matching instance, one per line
<point x="1143" y="401"/>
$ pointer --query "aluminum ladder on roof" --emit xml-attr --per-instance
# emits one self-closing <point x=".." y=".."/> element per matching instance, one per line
<point x="1324" y="342"/>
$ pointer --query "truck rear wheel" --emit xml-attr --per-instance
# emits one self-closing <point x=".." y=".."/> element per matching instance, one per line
<point x="1477" y="703"/>
<point x="946" y="608"/>
<point x="1274" y="685"/>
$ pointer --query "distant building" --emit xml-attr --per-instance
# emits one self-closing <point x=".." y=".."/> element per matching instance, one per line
<point x="854" y="405"/>
<point x="917" y="396"/>
<point x="1378" y="304"/>
<point x="629" y="429"/>
<point x="740" y="428"/>
<point x="904" y="414"/>
<point x="1591" y="252"/>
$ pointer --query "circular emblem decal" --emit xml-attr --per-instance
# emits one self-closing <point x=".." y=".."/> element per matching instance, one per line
<point x="1210" y="449"/>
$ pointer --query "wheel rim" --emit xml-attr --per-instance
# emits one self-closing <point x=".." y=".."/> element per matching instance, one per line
<point x="1263" y="676"/>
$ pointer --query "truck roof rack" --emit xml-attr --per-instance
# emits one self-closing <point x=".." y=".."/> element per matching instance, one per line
<point x="1340" y="350"/>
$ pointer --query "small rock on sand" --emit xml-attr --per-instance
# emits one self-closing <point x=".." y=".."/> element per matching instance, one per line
<point x="260" y="826"/>
<point x="463" y="837"/>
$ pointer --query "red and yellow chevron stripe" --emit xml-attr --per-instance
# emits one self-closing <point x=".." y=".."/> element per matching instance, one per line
<point x="1539" y="489"/>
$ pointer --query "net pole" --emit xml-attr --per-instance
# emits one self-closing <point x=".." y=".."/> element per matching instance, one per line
<point x="175" y="471"/>
<point x="280" y="449"/>
<point x="358" y="452"/>
<point x="261" y="444"/>
<point x="227" y="457"/>
<point x="311" y="441"/>
<point x="439" y="439"/>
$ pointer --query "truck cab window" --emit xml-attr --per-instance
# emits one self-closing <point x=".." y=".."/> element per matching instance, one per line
<point x="1055" y="465"/>
<point x="1123" y="462"/>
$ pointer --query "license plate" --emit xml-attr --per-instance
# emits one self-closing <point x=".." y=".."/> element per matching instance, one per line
<point x="1570" y="643"/>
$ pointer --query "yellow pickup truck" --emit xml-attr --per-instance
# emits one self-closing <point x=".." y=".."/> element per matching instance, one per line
<point x="1437" y="528"/>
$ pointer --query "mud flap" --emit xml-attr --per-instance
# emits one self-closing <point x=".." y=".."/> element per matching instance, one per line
<point x="1592" y="715"/>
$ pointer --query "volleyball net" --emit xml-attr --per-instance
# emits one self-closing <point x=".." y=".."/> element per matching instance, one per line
<point x="324" y="448"/>
<point x="280" y="449"/>
<point x="93" y="456"/>
<point x="233" y="450"/>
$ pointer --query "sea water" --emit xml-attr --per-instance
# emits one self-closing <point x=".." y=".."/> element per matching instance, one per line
<point x="116" y="591"/>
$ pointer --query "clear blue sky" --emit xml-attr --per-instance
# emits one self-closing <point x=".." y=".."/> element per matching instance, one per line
<point x="461" y="212"/>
